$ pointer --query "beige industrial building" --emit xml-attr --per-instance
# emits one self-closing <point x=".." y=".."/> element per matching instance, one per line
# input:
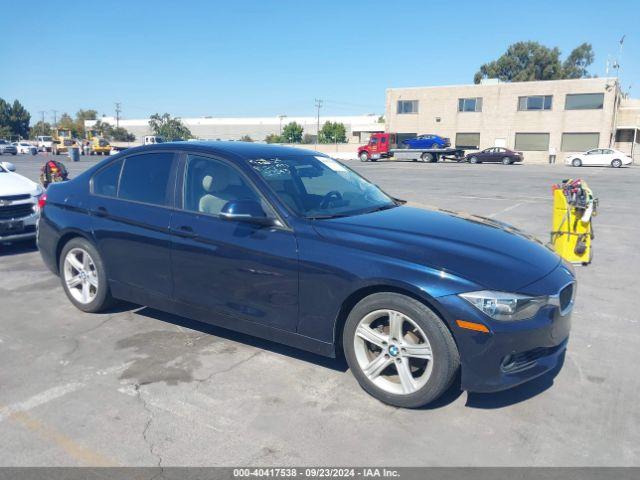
<point x="358" y="127"/>
<point x="537" y="118"/>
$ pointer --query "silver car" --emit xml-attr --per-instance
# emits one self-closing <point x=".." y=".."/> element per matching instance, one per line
<point x="6" y="147"/>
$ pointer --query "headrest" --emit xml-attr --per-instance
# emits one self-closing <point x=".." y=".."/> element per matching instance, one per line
<point x="216" y="181"/>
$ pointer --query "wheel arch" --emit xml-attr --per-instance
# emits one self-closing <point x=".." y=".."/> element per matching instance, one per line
<point x="65" y="238"/>
<point x="363" y="292"/>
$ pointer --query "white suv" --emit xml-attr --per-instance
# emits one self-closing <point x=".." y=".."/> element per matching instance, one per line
<point x="19" y="208"/>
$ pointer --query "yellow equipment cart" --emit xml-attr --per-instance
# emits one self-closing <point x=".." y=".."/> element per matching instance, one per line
<point x="573" y="209"/>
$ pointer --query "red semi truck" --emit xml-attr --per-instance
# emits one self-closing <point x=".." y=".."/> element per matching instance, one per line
<point x="384" y="145"/>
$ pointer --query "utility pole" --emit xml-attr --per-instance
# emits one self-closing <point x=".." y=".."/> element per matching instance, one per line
<point x="55" y="118"/>
<point x="281" y="117"/>
<point x="41" y="112"/>
<point x="318" y="106"/>
<point x="118" y="110"/>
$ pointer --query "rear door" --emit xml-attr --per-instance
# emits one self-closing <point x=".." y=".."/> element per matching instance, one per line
<point x="131" y="213"/>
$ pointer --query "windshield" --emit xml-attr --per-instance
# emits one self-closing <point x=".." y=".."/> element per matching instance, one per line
<point x="320" y="187"/>
<point x="46" y="139"/>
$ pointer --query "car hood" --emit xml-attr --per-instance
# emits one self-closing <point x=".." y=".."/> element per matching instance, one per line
<point x="489" y="253"/>
<point x="15" y="184"/>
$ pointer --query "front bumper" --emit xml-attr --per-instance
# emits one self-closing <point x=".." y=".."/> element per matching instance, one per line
<point x="23" y="228"/>
<point x="512" y="352"/>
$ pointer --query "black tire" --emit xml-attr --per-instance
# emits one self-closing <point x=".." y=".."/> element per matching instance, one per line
<point x="364" y="157"/>
<point x="426" y="157"/>
<point x="442" y="344"/>
<point x="474" y="160"/>
<point x="616" y="163"/>
<point x="576" y="162"/>
<point x="506" y="161"/>
<point x="103" y="298"/>
<point x="435" y="145"/>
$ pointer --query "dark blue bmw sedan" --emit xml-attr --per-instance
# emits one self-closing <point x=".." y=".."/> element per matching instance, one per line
<point x="293" y="246"/>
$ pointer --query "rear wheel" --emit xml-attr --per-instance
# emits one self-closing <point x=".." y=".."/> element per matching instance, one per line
<point x="399" y="350"/>
<point x="426" y="157"/>
<point x="576" y="162"/>
<point x="83" y="276"/>
<point x="616" y="163"/>
<point x="364" y="157"/>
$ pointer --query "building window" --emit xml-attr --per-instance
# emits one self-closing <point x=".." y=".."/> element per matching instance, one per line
<point x="470" y="104"/>
<point x="535" y="102"/>
<point x="532" y="142"/>
<point x="468" y="140"/>
<point x="627" y="135"/>
<point x="407" y="106"/>
<point x="584" y="101"/>
<point x="579" y="142"/>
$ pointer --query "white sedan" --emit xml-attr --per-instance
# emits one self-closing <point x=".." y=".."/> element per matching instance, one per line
<point x="599" y="156"/>
<point x="24" y="147"/>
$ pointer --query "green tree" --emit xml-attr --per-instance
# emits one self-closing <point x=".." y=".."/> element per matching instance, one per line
<point x="169" y="128"/>
<point x="120" y="134"/>
<point x="526" y="61"/>
<point x="14" y="119"/>
<point x="273" y="138"/>
<point x="308" y="139"/>
<point x="81" y="116"/>
<point x="246" y="138"/>
<point x="575" y="65"/>
<point x="292" y="133"/>
<point x="333" y="133"/>
<point x="40" y="128"/>
<point x="67" y="123"/>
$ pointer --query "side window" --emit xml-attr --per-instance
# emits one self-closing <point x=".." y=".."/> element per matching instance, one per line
<point x="105" y="182"/>
<point x="145" y="178"/>
<point x="209" y="184"/>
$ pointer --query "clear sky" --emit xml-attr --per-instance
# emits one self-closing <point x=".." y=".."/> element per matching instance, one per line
<point x="268" y="57"/>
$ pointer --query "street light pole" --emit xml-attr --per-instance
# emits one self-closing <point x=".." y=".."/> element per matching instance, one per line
<point x="318" y="106"/>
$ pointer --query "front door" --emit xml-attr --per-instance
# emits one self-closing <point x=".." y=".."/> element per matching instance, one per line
<point x="130" y="207"/>
<point x="230" y="267"/>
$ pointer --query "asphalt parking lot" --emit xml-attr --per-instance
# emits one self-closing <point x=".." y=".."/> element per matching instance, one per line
<point x="139" y="387"/>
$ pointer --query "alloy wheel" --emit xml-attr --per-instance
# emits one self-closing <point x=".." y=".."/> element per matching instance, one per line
<point x="393" y="352"/>
<point x="80" y="275"/>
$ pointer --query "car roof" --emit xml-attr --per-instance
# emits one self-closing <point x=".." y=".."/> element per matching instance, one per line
<point x="245" y="150"/>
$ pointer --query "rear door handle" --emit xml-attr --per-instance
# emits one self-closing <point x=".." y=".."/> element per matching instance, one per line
<point x="184" y="231"/>
<point x="101" y="212"/>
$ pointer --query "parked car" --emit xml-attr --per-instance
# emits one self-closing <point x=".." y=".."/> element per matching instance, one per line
<point x="293" y="246"/>
<point x="495" y="154"/>
<point x="427" y="141"/>
<point x="44" y="143"/>
<point x="25" y="148"/>
<point x="599" y="156"/>
<point x="7" y="148"/>
<point x="19" y="209"/>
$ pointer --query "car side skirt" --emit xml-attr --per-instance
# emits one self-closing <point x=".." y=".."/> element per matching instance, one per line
<point x="143" y="297"/>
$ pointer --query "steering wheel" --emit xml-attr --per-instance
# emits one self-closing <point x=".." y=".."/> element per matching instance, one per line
<point x="329" y="197"/>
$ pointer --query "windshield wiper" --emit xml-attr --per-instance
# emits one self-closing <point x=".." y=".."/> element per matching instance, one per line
<point x="382" y="207"/>
<point x="324" y="217"/>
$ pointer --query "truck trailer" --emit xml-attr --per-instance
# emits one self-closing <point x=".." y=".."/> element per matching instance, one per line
<point x="384" y="145"/>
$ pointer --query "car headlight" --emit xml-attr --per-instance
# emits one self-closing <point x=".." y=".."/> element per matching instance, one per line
<point x="505" y="306"/>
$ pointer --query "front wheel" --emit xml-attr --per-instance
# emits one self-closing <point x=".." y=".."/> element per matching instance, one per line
<point x="506" y="161"/>
<point x="616" y="163"/>
<point x="364" y="157"/>
<point x="576" y="162"/>
<point x="474" y="160"/>
<point x="83" y="276"/>
<point x="399" y="350"/>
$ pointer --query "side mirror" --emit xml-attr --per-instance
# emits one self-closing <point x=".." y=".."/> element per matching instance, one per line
<point x="248" y="211"/>
<point x="9" y="166"/>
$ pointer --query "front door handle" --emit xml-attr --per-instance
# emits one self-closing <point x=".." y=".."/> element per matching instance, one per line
<point x="184" y="231"/>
